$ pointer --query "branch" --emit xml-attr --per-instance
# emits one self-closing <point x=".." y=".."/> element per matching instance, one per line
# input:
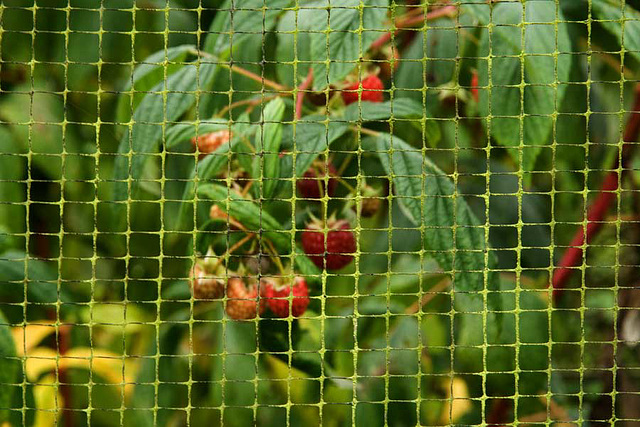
<point x="572" y="256"/>
<point x="301" y="92"/>
<point x="412" y="21"/>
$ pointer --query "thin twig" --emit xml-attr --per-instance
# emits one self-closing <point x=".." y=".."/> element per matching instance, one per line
<point x="301" y="93"/>
<point x="242" y="71"/>
<point x="412" y="21"/>
<point x="441" y="286"/>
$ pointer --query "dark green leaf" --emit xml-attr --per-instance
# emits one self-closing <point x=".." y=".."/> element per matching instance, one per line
<point x="452" y="234"/>
<point x="622" y="21"/>
<point x="151" y="72"/>
<point x="400" y="108"/>
<point x="311" y="138"/>
<point x="41" y="279"/>
<point x="523" y="114"/>
<point x="235" y="22"/>
<point x="167" y="104"/>
<point x="341" y="34"/>
<point x="185" y="131"/>
<point x="268" y="141"/>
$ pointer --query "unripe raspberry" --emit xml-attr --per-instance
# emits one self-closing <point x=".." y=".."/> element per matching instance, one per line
<point x="242" y="300"/>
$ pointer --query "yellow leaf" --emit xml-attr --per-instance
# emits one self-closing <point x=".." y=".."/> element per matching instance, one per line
<point x="29" y="336"/>
<point x="48" y="402"/>
<point x="458" y="402"/>
<point x="106" y="364"/>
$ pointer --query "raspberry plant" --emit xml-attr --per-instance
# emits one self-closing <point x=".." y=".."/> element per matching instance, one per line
<point x="310" y="212"/>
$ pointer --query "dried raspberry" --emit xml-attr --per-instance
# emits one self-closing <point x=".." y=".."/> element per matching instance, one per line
<point x="205" y="285"/>
<point x="210" y="142"/>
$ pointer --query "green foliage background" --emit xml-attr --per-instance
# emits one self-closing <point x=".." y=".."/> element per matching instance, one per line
<point x="103" y="208"/>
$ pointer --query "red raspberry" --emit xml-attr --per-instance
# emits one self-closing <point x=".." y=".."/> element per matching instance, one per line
<point x="372" y="91"/>
<point x="338" y="249"/>
<point x="314" y="180"/>
<point x="474" y="85"/>
<point x="279" y="299"/>
<point x="242" y="301"/>
<point x="205" y="285"/>
<point x="208" y="143"/>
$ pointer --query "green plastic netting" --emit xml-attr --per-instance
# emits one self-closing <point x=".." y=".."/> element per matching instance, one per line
<point x="319" y="212"/>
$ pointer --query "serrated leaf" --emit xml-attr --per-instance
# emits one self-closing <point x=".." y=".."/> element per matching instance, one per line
<point x="452" y="234"/>
<point x="532" y="105"/>
<point x="235" y="21"/>
<point x="185" y="131"/>
<point x="268" y="140"/>
<point x="311" y="137"/>
<point x="149" y="73"/>
<point x="401" y="108"/>
<point x="144" y="137"/>
<point x="341" y="34"/>
<point x="622" y="21"/>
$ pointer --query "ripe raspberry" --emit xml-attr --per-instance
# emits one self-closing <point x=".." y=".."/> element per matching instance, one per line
<point x="372" y="88"/>
<point x="205" y="285"/>
<point x="338" y="249"/>
<point x="208" y="143"/>
<point x="284" y="298"/>
<point x="314" y="180"/>
<point x="474" y="86"/>
<point x="242" y="301"/>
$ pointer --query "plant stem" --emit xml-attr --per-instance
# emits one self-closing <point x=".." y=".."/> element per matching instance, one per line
<point x="242" y="71"/>
<point x="572" y="256"/>
<point x="250" y="102"/>
<point x="301" y="93"/>
<point x="411" y="21"/>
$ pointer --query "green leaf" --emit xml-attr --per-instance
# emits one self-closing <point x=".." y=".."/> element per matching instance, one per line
<point x="165" y="105"/>
<point x="400" y="108"/>
<point x="255" y="219"/>
<point x="235" y="22"/>
<point x="13" y="166"/>
<point x="452" y="234"/>
<point x="341" y="34"/>
<point x="268" y="141"/>
<point x="310" y="137"/>
<point x="9" y="367"/>
<point x="293" y="53"/>
<point x="528" y="100"/>
<point x="184" y="131"/>
<point x="150" y="72"/>
<point x="41" y="279"/>
<point x="622" y="21"/>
